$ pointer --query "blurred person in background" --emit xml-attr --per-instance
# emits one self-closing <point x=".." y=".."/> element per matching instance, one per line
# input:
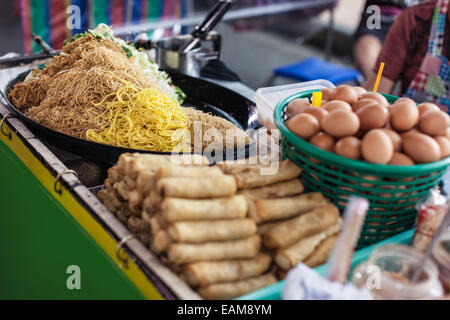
<point x="372" y="30"/>
<point x="417" y="53"/>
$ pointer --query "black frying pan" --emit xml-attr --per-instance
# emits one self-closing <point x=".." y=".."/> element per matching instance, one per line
<point x="201" y="94"/>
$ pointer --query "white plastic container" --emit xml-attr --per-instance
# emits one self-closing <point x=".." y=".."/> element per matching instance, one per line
<point x="267" y="98"/>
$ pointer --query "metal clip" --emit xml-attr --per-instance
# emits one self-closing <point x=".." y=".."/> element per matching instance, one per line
<point x="2" y="122"/>
<point x="65" y="171"/>
<point x="124" y="260"/>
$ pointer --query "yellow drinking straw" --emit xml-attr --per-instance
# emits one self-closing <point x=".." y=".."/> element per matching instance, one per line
<point x="317" y="99"/>
<point x="377" y="82"/>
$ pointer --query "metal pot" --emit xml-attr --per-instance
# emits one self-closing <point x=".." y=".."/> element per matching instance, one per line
<point x="169" y="55"/>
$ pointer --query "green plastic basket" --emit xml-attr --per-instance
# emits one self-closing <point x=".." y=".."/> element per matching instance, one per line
<point x="393" y="191"/>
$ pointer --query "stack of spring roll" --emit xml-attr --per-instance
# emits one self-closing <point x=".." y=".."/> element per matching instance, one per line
<point x="193" y="219"/>
<point x="295" y="227"/>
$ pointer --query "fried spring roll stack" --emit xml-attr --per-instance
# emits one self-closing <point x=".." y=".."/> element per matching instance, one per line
<point x="229" y="290"/>
<point x="208" y="224"/>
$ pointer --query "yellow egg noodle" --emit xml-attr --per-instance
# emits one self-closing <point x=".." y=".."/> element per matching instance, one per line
<point x="143" y="119"/>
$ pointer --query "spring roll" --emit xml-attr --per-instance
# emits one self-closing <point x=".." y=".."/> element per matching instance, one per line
<point x="263" y="228"/>
<point x="137" y="225"/>
<point x="170" y="171"/>
<point x="197" y="188"/>
<point x="213" y="230"/>
<point x="115" y="174"/>
<point x="174" y="209"/>
<point x="277" y="190"/>
<point x="229" y="290"/>
<point x="252" y="211"/>
<point x="276" y="209"/>
<point x="320" y="256"/>
<point x="146" y="180"/>
<point x="123" y="161"/>
<point x="109" y="200"/>
<point x="287" y="233"/>
<point x="155" y="226"/>
<point x="130" y="183"/>
<point x="200" y="274"/>
<point x="238" y="166"/>
<point x="252" y="177"/>
<point x="152" y="162"/>
<point x="287" y="258"/>
<point x="180" y="253"/>
<point x="125" y="211"/>
<point x="135" y="201"/>
<point x="122" y="218"/>
<point x="160" y="242"/>
<point x="151" y="202"/>
<point x="121" y="189"/>
<point x="109" y="182"/>
<point x="144" y="237"/>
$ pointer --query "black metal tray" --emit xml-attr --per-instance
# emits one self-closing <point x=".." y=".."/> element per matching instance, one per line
<point x="201" y="94"/>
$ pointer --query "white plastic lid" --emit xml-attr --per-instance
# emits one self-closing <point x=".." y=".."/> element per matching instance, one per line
<point x="267" y="98"/>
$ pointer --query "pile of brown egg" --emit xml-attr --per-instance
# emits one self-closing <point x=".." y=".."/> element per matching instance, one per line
<point x="361" y="125"/>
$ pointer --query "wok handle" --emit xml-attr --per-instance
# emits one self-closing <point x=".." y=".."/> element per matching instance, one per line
<point x="213" y="18"/>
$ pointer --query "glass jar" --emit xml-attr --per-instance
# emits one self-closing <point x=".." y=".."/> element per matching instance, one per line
<point x="388" y="271"/>
<point x="441" y="255"/>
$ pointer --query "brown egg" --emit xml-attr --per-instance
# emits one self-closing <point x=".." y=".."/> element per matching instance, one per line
<point x="345" y="93"/>
<point x="377" y="147"/>
<point x="421" y="148"/>
<point x="395" y="139"/>
<point x="409" y="132"/>
<point x="434" y="123"/>
<point x="359" y="91"/>
<point x="444" y="145"/>
<point x="362" y="103"/>
<point x="427" y="106"/>
<point x="404" y="116"/>
<point x="403" y="100"/>
<point x="327" y="94"/>
<point x="349" y="147"/>
<point x="303" y="125"/>
<point x="447" y="134"/>
<point x="336" y="105"/>
<point x="340" y="123"/>
<point x="323" y="141"/>
<point x="401" y="159"/>
<point x="375" y="96"/>
<point x="372" y="116"/>
<point x="317" y="112"/>
<point x="297" y="106"/>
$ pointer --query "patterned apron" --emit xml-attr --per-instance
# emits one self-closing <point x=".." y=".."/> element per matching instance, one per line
<point x="432" y="82"/>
